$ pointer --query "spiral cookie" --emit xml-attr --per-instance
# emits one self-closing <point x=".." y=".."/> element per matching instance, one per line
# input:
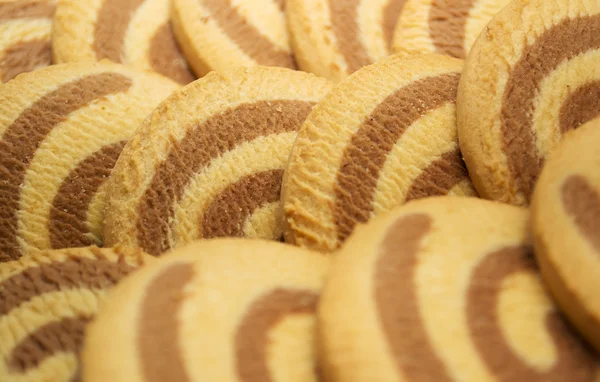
<point x="209" y="161"/>
<point x="220" y="34"/>
<point x="333" y="38"/>
<point x="47" y="300"/>
<point x="566" y="217"/>
<point x="445" y="289"/>
<point x="25" y="27"/>
<point x="443" y="26"/>
<point x="132" y="32"/>
<point x="61" y="131"/>
<point x="531" y="76"/>
<point x="384" y="136"/>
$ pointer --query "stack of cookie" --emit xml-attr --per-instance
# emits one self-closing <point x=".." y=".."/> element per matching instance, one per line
<point x="299" y="190"/>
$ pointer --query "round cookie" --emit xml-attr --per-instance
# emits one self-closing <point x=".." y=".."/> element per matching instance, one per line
<point x="46" y="301"/>
<point x="217" y="310"/>
<point x="61" y="131"/>
<point x="133" y="32"/>
<point x="385" y="135"/>
<point x="334" y="38"/>
<point x="220" y="34"/>
<point x="532" y="75"/>
<point x="25" y="27"/>
<point x="445" y="289"/>
<point x="565" y="222"/>
<point x="443" y="26"/>
<point x="209" y="161"/>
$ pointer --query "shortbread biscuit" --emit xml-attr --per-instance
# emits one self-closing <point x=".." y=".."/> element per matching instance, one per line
<point x="133" y="32"/>
<point x="334" y="38"/>
<point x="532" y="75"/>
<point x="220" y="34"/>
<point x="443" y="26"/>
<point x="566" y="227"/>
<point x="25" y="28"/>
<point x="61" y="131"/>
<point x="209" y="161"/>
<point x="218" y="310"/>
<point x="385" y="135"/>
<point x="445" y="289"/>
<point x="46" y="301"/>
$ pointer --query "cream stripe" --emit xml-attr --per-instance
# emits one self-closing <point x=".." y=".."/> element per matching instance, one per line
<point x="480" y="15"/>
<point x="264" y="222"/>
<point x="61" y="366"/>
<point x="370" y="22"/>
<point x="463" y="188"/>
<point x="267" y="18"/>
<point x="412" y="31"/>
<point x="74" y="26"/>
<point x="290" y="349"/>
<point x="95" y="215"/>
<point x="149" y="17"/>
<point x="14" y="31"/>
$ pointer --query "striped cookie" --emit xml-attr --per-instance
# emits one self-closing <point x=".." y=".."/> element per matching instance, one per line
<point x="209" y="161"/>
<point x="384" y="136"/>
<point x="61" y="131"/>
<point x="25" y="27"/>
<point x="532" y="75"/>
<point x="443" y="26"/>
<point x="218" y="310"/>
<point x="334" y="38"/>
<point x="445" y="289"/>
<point x="566" y="227"/>
<point x="220" y="34"/>
<point x="46" y="301"/>
<point x="132" y="32"/>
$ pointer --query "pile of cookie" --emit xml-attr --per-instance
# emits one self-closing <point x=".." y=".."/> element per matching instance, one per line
<point x="299" y="190"/>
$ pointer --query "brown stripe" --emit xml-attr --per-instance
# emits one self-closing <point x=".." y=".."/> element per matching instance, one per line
<point x="574" y="361"/>
<point x="447" y="23"/>
<point x="562" y="42"/>
<point x="439" y="177"/>
<point x="246" y="36"/>
<point x="398" y="304"/>
<point x="23" y="137"/>
<point x="25" y="56"/>
<point x="76" y="272"/>
<point x="581" y="202"/>
<point x="582" y="105"/>
<point x="113" y="20"/>
<point x="365" y="156"/>
<point x="165" y="56"/>
<point x="64" y="336"/>
<point x="227" y="213"/>
<point x="159" y="336"/>
<point x="26" y="9"/>
<point x="344" y="19"/>
<point x="280" y="4"/>
<point x="68" y="216"/>
<point x="220" y="134"/>
<point x="391" y="14"/>
<point x="252" y="338"/>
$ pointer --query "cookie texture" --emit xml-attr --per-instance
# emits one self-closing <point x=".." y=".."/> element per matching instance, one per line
<point x="25" y="27"/>
<point x="46" y="301"/>
<point x="209" y="161"/>
<point x="133" y="32"/>
<point x="334" y="38"/>
<point x="183" y="318"/>
<point x="445" y="289"/>
<point x="384" y="136"/>
<point x="61" y="131"/>
<point x="530" y="77"/>
<point x="221" y="34"/>
<point x="565" y="221"/>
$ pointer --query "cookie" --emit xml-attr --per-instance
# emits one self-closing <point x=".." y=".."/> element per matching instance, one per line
<point x="335" y="38"/>
<point x="25" y="27"/>
<point x="61" y="131"/>
<point x="133" y="32"/>
<point x="209" y="161"/>
<point x="443" y="26"/>
<point x="46" y="301"/>
<point x="220" y="34"/>
<point x="385" y="135"/>
<point x="531" y="76"/>
<point x="445" y="289"/>
<point x="565" y="221"/>
<point x="216" y="310"/>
